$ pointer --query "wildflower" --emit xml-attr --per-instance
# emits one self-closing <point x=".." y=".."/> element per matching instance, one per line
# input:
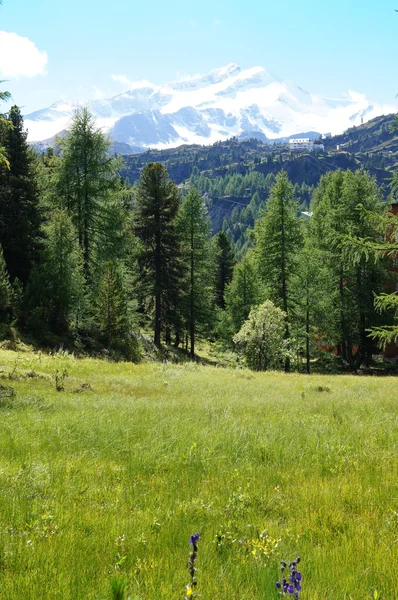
<point x="194" y="539"/>
<point x="191" y="566"/>
<point x="293" y="586"/>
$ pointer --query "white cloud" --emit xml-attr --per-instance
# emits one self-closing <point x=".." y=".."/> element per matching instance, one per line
<point x="216" y="23"/>
<point x="130" y="83"/>
<point x="98" y="94"/>
<point x="19" y="57"/>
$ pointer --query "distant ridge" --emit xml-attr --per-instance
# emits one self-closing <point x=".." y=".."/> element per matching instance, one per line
<point x="224" y="103"/>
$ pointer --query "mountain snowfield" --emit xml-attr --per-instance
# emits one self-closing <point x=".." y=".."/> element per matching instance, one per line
<point x="224" y="103"/>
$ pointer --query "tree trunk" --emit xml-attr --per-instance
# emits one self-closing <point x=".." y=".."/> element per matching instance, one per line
<point x="177" y="339"/>
<point x="307" y="336"/>
<point x="158" y="309"/>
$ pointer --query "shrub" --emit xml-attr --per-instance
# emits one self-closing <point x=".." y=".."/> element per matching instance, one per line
<point x="262" y="337"/>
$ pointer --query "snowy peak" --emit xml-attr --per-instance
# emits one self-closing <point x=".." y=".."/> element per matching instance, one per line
<point x="203" y="109"/>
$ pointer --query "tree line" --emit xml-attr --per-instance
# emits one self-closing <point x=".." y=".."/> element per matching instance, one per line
<point x="87" y="260"/>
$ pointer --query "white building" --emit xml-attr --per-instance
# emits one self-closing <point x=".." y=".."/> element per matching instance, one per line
<point x="296" y="144"/>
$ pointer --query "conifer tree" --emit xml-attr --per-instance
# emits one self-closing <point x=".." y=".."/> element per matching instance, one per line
<point x="194" y="234"/>
<point x="278" y="239"/>
<point x="20" y="214"/>
<point x="313" y="302"/>
<point x="112" y="310"/>
<point x="160" y="267"/>
<point x="86" y="179"/>
<point x="225" y="262"/>
<point x="243" y="292"/>
<point x="347" y="206"/>
<point x="55" y="293"/>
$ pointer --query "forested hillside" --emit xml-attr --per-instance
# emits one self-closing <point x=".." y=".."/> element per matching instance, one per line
<point x="231" y="173"/>
<point x="256" y="250"/>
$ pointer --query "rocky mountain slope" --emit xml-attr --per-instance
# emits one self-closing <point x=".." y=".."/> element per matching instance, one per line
<point x="224" y="103"/>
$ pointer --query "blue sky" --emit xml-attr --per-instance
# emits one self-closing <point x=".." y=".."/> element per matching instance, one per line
<point x="324" y="46"/>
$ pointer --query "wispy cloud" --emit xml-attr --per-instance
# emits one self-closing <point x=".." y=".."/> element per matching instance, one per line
<point x="216" y="23"/>
<point x="130" y="83"/>
<point x="98" y="94"/>
<point x="19" y="57"/>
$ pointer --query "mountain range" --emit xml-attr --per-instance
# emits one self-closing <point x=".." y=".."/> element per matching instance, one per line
<point x="227" y="102"/>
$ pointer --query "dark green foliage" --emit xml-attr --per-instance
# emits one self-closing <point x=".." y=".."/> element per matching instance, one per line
<point x="56" y="291"/>
<point x="20" y="215"/>
<point x="160" y="265"/>
<point x="194" y="234"/>
<point x="225" y="261"/>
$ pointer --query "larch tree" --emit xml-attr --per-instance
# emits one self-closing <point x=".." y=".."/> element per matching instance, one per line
<point x="194" y="234"/>
<point x="56" y="290"/>
<point x="278" y="240"/>
<point x="87" y="178"/>
<point x="225" y="262"/>
<point x="347" y="207"/>
<point x="243" y="292"/>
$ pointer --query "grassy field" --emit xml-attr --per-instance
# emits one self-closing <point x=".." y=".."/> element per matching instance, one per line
<point x="110" y="477"/>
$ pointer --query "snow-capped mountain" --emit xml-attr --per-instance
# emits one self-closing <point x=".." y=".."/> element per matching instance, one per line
<point x="204" y="109"/>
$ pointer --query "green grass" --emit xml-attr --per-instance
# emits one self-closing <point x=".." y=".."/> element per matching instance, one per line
<point x="112" y="479"/>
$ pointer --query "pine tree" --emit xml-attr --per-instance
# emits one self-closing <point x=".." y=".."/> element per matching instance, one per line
<point x="86" y="179"/>
<point x="194" y="234"/>
<point x="278" y="239"/>
<point x="225" y="262"/>
<point x="20" y="214"/>
<point x="157" y="203"/>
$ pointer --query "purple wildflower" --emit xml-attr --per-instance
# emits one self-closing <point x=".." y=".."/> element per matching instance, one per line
<point x="292" y="586"/>
<point x="194" y="539"/>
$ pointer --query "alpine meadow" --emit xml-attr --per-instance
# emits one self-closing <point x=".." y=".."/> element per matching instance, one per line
<point x="198" y="303"/>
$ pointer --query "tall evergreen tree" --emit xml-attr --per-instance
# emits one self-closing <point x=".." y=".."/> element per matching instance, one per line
<point x="113" y="309"/>
<point x="313" y="302"/>
<point x="56" y="291"/>
<point x="20" y="215"/>
<point x="194" y="233"/>
<point x="86" y="179"/>
<point x="347" y="206"/>
<point x="243" y="292"/>
<point x="225" y="262"/>
<point x="157" y="203"/>
<point x="278" y="239"/>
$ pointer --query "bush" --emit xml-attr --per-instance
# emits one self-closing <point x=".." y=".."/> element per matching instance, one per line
<point x="262" y="337"/>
